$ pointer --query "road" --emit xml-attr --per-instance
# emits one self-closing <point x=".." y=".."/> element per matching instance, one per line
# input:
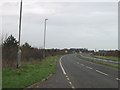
<point x="73" y="72"/>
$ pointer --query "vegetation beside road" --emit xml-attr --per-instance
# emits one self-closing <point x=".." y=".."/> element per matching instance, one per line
<point x="99" y="62"/>
<point x="108" y="58"/>
<point x="108" y="64"/>
<point x="29" y="73"/>
<point x="34" y="66"/>
<point x="10" y="52"/>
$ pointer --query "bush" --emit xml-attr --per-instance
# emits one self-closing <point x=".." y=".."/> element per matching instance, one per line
<point x="10" y="49"/>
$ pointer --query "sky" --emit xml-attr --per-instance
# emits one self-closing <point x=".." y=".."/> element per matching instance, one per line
<point x="71" y="24"/>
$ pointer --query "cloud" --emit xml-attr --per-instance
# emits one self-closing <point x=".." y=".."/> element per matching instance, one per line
<point x="90" y="25"/>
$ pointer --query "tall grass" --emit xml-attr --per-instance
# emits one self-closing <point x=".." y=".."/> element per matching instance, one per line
<point x="29" y="73"/>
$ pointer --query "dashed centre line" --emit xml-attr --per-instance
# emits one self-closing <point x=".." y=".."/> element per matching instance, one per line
<point x="77" y="62"/>
<point x="68" y="79"/>
<point x="89" y="67"/>
<point x="101" y="72"/>
<point x="82" y="64"/>
<point x="98" y="71"/>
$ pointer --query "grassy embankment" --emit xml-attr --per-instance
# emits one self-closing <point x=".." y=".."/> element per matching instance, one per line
<point x="100" y="62"/>
<point x="108" y="58"/>
<point x="0" y="79"/>
<point x="29" y="74"/>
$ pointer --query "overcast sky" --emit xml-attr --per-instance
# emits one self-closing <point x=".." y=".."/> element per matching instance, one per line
<point x="70" y="24"/>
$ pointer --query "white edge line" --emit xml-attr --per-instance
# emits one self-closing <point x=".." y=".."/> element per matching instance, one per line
<point x="70" y="83"/>
<point x="66" y="76"/>
<point x="68" y="79"/>
<point x="73" y="87"/>
<point x="65" y="73"/>
<point x="62" y="67"/>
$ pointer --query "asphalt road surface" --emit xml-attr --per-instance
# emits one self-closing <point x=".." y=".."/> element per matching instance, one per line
<point x="73" y="72"/>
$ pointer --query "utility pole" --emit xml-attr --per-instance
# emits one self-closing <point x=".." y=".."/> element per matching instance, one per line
<point x="19" y="50"/>
<point x="44" y="37"/>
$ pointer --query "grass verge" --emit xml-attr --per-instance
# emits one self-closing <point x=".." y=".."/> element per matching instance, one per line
<point x="99" y="62"/>
<point x="108" y="58"/>
<point x="0" y="79"/>
<point x="110" y="65"/>
<point x="29" y="74"/>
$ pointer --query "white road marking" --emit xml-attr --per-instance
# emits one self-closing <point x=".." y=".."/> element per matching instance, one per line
<point x="66" y="74"/>
<point x="62" y="67"/>
<point x="101" y="72"/>
<point x="117" y="79"/>
<point x="73" y="87"/>
<point x="77" y="62"/>
<point x="70" y="83"/>
<point x="68" y="79"/>
<point x="89" y="67"/>
<point x="82" y="64"/>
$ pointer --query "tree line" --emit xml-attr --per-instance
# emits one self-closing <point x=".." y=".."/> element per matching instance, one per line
<point x="10" y="49"/>
<point x="29" y="53"/>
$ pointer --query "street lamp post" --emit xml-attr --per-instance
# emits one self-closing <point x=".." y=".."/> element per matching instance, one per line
<point x="19" y="50"/>
<point x="44" y="37"/>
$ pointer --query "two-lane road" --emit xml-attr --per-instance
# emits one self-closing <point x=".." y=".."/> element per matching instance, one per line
<point x="73" y="72"/>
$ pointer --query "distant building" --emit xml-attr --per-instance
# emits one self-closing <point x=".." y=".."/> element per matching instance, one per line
<point x="66" y="51"/>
